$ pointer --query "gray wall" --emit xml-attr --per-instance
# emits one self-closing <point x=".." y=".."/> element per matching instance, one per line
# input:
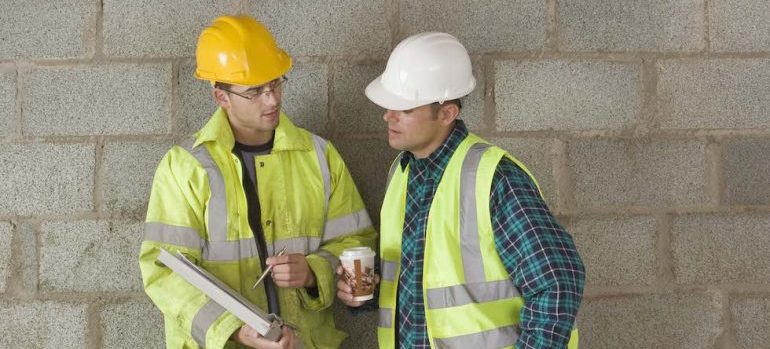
<point x="645" y="121"/>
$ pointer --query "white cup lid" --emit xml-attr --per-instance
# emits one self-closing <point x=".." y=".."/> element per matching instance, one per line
<point x="357" y="251"/>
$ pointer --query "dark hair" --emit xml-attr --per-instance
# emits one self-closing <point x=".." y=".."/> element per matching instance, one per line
<point x="222" y="85"/>
<point x="435" y="106"/>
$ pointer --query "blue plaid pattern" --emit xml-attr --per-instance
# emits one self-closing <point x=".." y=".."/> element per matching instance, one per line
<point x="536" y="251"/>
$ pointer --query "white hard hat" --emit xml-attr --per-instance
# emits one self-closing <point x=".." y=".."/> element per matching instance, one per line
<point x="424" y="68"/>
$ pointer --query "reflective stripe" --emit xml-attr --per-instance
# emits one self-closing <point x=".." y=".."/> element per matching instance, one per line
<point x="330" y="258"/>
<point x="320" y="151"/>
<point x="206" y="316"/>
<point x="473" y="264"/>
<point x="497" y="338"/>
<point x="346" y="225"/>
<point x="229" y="250"/>
<point x="388" y="270"/>
<point x="385" y="317"/>
<point x="302" y="244"/>
<point x="453" y="296"/>
<point x="172" y="234"/>
<point x="217" y="207"/>
<point x="393" y="168"/>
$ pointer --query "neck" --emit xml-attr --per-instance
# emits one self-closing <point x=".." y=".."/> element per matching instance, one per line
<point x="252" y="137"/>
<point x="441" y="137"/>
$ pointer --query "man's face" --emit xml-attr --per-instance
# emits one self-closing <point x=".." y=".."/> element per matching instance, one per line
<point x="416" y="130"/>
<point x="254" y="108"/>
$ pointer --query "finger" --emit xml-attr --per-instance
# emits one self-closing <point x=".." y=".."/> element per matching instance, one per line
<point x="275" y="260"/>
<point x="282" y="269"/>
<point x="376" y="279"/>
<point x="343" y="286"/>
<point x="339" y="270"/>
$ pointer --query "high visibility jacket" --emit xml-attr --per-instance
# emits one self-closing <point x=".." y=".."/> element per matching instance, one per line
<point x="470" y="300"/>
<point x="309" y="204"/>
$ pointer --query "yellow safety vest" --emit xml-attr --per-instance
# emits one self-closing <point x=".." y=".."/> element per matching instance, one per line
<point x="470" y="301"/>
<point x="309" y="204"/>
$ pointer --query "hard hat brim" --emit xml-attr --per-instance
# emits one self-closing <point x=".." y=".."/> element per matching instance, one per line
<point x="384" y="98"/>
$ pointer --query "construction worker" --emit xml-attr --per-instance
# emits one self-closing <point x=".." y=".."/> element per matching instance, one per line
<point x="471" y="257"/>
<point x="250" y="184"/>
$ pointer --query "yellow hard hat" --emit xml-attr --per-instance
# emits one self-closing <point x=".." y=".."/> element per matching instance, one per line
<point x="239" y="50"/>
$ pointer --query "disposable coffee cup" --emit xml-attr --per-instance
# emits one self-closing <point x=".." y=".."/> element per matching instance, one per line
<point x="358" y="271"/>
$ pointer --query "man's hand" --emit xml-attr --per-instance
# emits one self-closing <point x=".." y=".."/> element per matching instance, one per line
<point x="291" y="270"/>
<point x="345" y="292"/>
<point x="251" y="338"/>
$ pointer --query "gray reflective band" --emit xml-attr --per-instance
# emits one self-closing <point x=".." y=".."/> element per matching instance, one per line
<point x="206" y="316"/>
<point x="229" y="250"/>
<point x="473" y="264"/>
<point x="385" y="317"/>
<point x="320" y="151"/>
<point x="497" y="338"/>
<point x="217" y="206"/>
<point x="302" y="244"/>
<point x="330" y="258"/>
<point x="388" y="269"/>
<point x="396" y="163"/>
<point x="454" y="296"/>
<point x="172" y="234"/>
<point x="346" y="225"/>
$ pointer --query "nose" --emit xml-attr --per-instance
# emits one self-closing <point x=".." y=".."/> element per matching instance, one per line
<point x="271" y="98"/>
<point x="389" y="115"/>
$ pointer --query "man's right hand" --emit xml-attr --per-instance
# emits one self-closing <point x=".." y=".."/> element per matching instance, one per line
<point x="248" y="336"/>
<point x="345" y="292"/>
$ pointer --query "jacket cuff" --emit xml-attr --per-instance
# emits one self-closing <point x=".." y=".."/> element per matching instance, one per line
<point x="325" y="285"/>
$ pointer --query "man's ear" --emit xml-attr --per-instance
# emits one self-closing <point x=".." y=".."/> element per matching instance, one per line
<point x="221" y="97"/>
<point x="448" y="113"/>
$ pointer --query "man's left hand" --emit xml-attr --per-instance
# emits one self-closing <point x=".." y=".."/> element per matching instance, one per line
<point x="291" y="270"/>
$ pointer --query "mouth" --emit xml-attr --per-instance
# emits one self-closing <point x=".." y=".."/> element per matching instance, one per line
<point x="271" y="115"/>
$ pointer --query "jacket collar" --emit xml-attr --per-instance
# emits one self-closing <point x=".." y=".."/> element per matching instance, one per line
<point x="287" y="136"/>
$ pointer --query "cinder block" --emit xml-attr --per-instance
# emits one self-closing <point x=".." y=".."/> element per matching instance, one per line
<point x="362" y="327"/>
<point x="90" y="256"/>
<point x="97" y="100"/>
<point x="334" y="27"/>
<point x="46" y="178"/>
<point x="617" y="251"/>
<point x="747" y="171"/>
<point x="626" y="173"/>
<point x="354" y="112"/>
<point x="128" y="170"/>
<point x="43" y="325"/>
<point x="7" y="101"/>
<point x="537" y="156"/>
<point x="196" y="104"/>
<point x="672" y="321"/>
<point x="369" y="162"/>
<point x="29" y="266"/>
<point x="751" y="321"/>
<point x="721" y="249"/>
<point x="6" y="240"/>
<point x="306" y="96"/>
<point x="627" y="25"/>
<point x="481" y="25"/>
<point x="739" y="25"/>
<point x="42" y="29"/>
<point x="472" y="111"/>
<point x="714" y="94"/>
<point x="157" y="28"/>
<point x="565" y="95"/>
<point x="132" y="325"/>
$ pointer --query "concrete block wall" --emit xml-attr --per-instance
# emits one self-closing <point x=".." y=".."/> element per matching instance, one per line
<point x="647" y="123"/>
